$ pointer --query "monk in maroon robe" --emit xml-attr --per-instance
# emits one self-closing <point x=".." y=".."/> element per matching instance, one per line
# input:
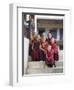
<point x="50" y="57"/>
<point x="55" y="48"/>
<point x="35" y="49"/>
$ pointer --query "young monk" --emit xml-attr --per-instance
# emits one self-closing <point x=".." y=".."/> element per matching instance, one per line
<point x="50" y="57"/>
<point x="35" y="49"/>
<point x="55" y="48"/>
<point x="49" y="37"/>
<point x="43" y="48"/>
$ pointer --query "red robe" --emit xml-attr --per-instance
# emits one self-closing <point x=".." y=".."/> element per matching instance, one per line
<point x="50" y="57"/>
<point x="56" y="52"/>
<point x="35" y="51"/>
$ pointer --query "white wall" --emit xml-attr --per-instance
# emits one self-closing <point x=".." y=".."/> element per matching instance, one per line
<point x="4" y="47"/>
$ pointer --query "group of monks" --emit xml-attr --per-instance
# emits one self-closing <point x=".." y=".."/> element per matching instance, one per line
<point x="42" y="48"/>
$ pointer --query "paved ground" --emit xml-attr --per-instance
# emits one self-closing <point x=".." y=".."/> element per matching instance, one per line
<point x="40" y="66"/>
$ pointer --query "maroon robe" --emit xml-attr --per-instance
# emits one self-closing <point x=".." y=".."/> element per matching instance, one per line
<point x="50" y="58"/>
<point x="35" y="51"/>
<point x="56" y="52"/>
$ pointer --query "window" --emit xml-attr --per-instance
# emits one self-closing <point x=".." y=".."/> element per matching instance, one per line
<point x="54" y="33"/>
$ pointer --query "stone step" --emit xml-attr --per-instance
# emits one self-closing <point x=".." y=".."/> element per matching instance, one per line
<point x="59" y="63"/>
<point x="34" y="71"/>
<point x="36" y="64"/>
<point x="41" y="67"/>
<point x="56" y="69"/>
<point x="40" y="64"/>
<point x="45" y="70"/>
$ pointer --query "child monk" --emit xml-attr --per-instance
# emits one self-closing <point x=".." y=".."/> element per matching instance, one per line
<point x="50" y="57"/>
<point x="43" y="48"/>
<point x="55" y="48"/>
<point x="35" y="49"/>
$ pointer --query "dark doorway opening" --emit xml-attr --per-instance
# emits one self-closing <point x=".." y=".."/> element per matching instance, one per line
<point x="41" y="31"/>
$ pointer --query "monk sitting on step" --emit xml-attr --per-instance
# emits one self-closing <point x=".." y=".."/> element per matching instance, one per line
<point x="50" y="57"/>
<point x="55" y="47"/>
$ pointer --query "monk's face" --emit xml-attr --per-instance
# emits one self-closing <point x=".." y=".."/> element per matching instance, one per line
<point x="49" y="35"/>
<point x="49" y="48"/>
<point x="44" y="39"/>
<point x="52" y="40"/>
